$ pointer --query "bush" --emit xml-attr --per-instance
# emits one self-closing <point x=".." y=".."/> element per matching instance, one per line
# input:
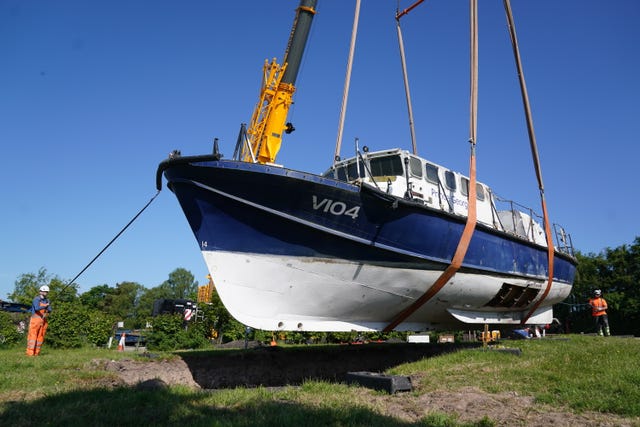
<point x="169" y="333"/>
<point x="72" y="325"/>
<point x="9" y="324"/>
<point x="66" y="326"/>
<point x="99" y="327"/>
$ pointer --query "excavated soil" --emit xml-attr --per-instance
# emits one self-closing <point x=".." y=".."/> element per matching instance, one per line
<point x="277" y="367"/>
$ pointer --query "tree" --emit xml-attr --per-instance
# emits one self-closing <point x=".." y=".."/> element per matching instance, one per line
<point x="226" y="327"/>
<point x="122" y="302"/>
<point x="148" y="297"/>
<point x="617" y="273"/>
<point x="95" y="297"/>
<point x="27" y="285"/>
<point x="181" y="284"/>
<point x="621" y="286"/>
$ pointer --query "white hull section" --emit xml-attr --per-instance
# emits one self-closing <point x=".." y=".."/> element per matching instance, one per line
<point x="315" y="294"/>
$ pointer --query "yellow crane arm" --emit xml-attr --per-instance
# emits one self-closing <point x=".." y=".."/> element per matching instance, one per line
<point x="269" y="118"/>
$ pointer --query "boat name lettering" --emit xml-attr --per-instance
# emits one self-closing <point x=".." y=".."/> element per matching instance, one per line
<point x="335" y="207"/>
<point x="452" y="199"/>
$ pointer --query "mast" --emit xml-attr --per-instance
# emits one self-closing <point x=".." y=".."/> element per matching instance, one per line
<point x="268" y="121"/>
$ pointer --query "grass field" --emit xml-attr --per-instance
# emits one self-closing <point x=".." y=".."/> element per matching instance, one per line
<point x="568" y="376"/>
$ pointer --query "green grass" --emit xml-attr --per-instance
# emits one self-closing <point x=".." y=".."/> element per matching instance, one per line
<point x="581" y="372"/>
<point x="68" y="388"/>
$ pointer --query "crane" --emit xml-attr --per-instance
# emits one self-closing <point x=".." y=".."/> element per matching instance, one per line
<point x="269" y="119"/>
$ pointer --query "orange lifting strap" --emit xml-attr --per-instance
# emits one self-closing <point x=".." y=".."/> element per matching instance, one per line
<point x="470" y="225"/>
<point x="458" y="257"/>
<point x="534" y="154"/>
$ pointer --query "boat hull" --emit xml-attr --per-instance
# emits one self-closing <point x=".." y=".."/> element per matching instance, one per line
<point x="295" y="251"/>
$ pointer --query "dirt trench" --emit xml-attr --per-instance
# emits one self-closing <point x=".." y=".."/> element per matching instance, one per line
<point x="277" y="367"/>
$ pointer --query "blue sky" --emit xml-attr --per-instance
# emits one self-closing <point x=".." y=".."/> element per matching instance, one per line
<point x="95" y="94"/>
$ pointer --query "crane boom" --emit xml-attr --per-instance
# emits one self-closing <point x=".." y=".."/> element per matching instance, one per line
<point x="268" y="121"/>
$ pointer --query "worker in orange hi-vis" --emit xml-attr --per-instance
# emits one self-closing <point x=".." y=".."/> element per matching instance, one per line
<point x="599" y="312"/>
<point x="40" y="309"/>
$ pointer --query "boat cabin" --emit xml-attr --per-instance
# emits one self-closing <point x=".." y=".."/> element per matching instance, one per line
<point x="402" y="174"/>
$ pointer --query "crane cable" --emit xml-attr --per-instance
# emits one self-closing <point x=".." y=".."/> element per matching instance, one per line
<point x="407" y="91"/>
<point x="470" y="224"/>
<point x="534" y="155"/>
<point x="109" y="244"/>
<point x="347" y="82"/>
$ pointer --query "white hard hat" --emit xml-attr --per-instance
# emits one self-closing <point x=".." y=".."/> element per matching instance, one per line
<point x="597" y="292"/>
<point x="44" y="288"/>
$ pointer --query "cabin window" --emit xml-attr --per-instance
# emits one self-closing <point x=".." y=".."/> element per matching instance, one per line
<point x="352" y="173"/>
<point x="341" y="173"/>
<point x="346" y="173"/>
<point x="464" y="189"/>
<point x="450" y="180"/>
<point x="432" y="173"/>
<point x="386" y="166"/>
<point x="415" y="166"/>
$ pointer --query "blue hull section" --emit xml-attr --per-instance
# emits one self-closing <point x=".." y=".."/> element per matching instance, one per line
<point x="251" y="208"/>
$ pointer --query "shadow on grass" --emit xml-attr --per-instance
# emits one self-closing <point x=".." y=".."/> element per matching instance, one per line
<point x="279" y="366"/>
<point x="167" y="407"/>
<point x="266" y="366"/>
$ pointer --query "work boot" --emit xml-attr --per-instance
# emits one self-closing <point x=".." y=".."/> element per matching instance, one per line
<point x="600" y="332"/>
<point x="607" y="332"/>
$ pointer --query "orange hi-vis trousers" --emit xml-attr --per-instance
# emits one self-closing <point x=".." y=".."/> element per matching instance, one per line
<point x="37" y="329"/>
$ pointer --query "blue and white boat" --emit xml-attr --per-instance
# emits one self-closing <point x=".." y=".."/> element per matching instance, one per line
<point x="368" y="245"/>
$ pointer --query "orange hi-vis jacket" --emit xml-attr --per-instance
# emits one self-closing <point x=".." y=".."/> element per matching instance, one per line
<point x="598" y="306"/>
